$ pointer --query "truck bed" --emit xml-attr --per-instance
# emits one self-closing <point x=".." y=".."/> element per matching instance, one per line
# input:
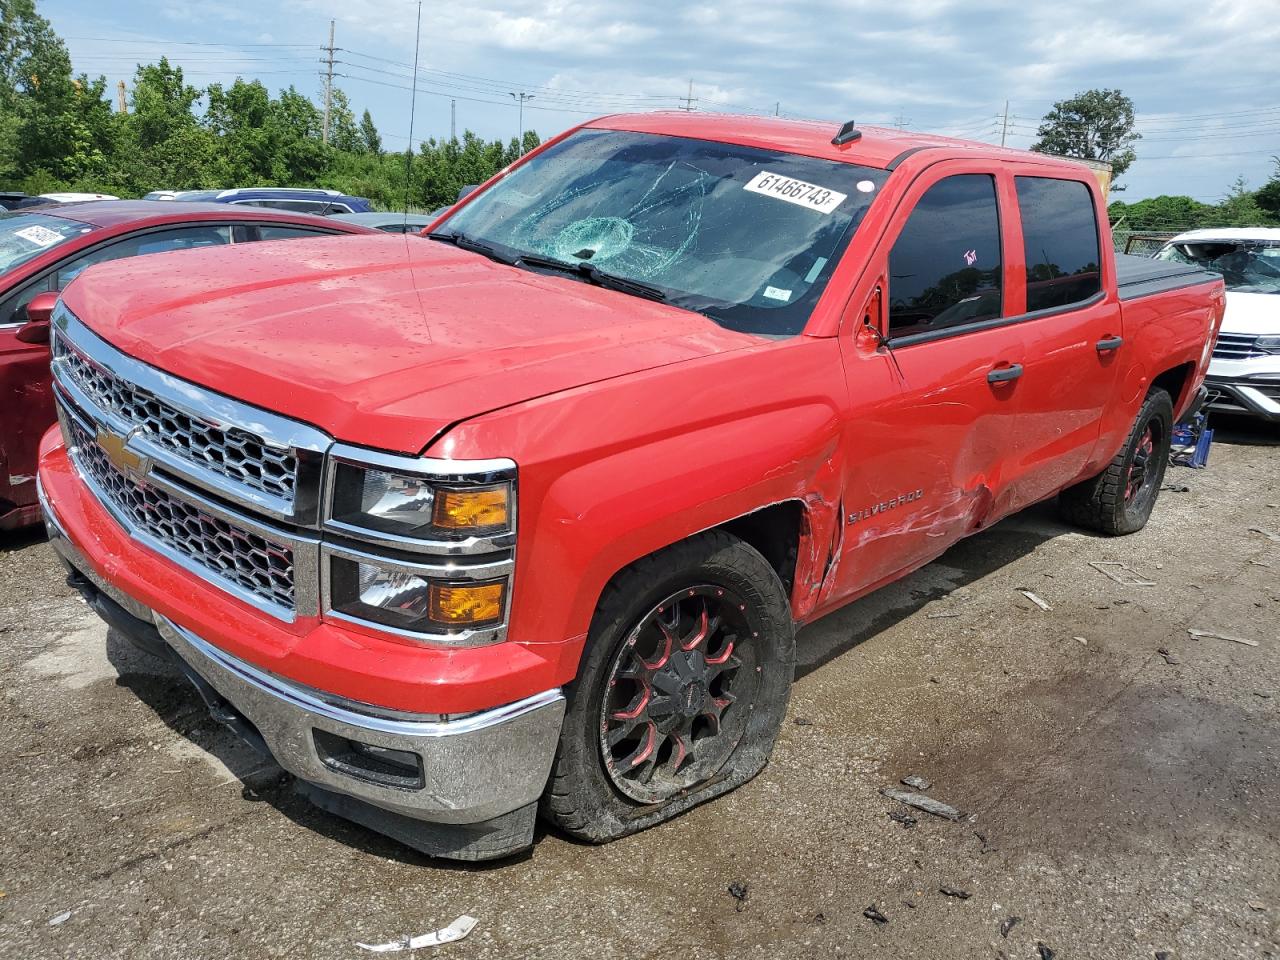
<point x="1142" y="276"/>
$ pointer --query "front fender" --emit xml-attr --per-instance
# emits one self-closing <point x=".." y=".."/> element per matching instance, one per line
<point x="615" y="471"/>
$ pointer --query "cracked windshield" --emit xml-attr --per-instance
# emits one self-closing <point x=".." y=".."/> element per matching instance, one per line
<point x="1247" y="266"/>
<point x="748" y="237"/>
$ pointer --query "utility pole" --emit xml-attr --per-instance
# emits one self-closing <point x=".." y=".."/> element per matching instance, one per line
<point x="123" y="106"/>
<point x="777" y="106"/>
<point x="1004" y="127"/>
<point x="688" y="101"/>
<point x="328" y="86"/>
<point x="520" y="98"/>
<point x="901" y="121"/>
<point x="453" y="120"/>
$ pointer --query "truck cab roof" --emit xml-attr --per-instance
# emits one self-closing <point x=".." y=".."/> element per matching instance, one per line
<point x="883" y="147"/>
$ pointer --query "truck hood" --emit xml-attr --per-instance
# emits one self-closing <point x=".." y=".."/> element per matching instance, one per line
<point x="382" y="340"/>
<point x="1257" y="314"/>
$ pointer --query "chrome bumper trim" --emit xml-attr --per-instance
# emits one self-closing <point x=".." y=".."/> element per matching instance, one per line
<point x="475" y="766"/>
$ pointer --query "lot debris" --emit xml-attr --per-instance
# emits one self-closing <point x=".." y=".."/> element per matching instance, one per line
<point x="454" y="931"/>
<point x="1121" y="573"/>
<point x="1038" y="601"/>
<point x="986" y="846"/>
<point x="1081" y="640"/>
<point x="906" y="819"/>
<point x="1176" y="488"/>
<point x="954" y="892"/>
<point x="1008" y="924"/>
<point x="60" y="919"/>
<point x="940" y="615"/>
<point x="1257" y="906"/>
<point x="740" y="892"/>
<point x="920" y="783"/>
<point x="1044" y="952"/>
<point x="1211" y="635"/>
<point x="1269" y="534"/>
<point x="1164" y="955"/>
<point x="873" y="914"/>
<point x="1170" y="658"/>
<point x="803" y="722"/>
<point x="921" y="802"/>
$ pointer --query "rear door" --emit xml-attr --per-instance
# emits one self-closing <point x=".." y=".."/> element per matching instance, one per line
<point x="932" y="412"/>
<point x="1072" y="325"/>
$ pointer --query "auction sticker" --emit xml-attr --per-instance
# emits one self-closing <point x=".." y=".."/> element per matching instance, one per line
<point x="798" y="192"/>
<point x="40" y="236"/>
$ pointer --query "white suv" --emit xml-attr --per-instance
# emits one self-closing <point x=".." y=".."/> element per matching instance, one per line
<point x="1244" y="376"/>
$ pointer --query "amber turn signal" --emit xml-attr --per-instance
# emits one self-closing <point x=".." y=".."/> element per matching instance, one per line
<point x="473" y="509"/>
<point x="466" y="605"/>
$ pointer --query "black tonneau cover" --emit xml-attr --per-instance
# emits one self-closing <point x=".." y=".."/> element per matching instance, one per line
<point x="1142" y="276"/>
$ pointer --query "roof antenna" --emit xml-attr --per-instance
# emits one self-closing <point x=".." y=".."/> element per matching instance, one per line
<point x="413" y="103"/>
<point x="849" y="132"/>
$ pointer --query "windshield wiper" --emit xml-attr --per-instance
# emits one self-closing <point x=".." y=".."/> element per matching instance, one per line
<point x="463" y="242"/>
<point x="593" y="275"/>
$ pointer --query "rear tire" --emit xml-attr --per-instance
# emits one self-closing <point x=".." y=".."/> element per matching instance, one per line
<point x="1119" y="500"/>
<point x="681" y="691"/>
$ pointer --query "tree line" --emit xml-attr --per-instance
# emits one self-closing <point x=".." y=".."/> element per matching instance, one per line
<point x="60" y="131"/>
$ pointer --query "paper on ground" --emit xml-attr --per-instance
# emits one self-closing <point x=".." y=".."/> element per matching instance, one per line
<point x="454" y="931"/>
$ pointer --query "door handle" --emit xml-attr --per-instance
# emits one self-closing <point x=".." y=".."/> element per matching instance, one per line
<point x="1108" y="343"/>
<point x="1004" y="374"/>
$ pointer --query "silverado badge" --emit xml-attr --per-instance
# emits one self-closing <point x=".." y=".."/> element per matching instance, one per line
<point x="883" y="505"/>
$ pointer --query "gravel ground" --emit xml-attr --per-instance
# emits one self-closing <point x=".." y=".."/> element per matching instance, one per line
<point x="1121" y="802"/>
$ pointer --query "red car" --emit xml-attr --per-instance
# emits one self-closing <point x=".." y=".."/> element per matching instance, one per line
<point x="521" y="518"/>
<point x="43" y="249"/>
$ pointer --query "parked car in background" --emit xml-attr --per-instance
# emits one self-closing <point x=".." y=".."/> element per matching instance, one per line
<point x="320" y="202"/>
<point x="522" y="518"/>
<point x="43" y="249"/>
<point x="390" y="222"/>
<point x="1244" y="376"/>
<point x="76" y="197"/>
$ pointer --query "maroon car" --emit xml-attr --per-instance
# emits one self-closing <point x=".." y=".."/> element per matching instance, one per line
<point x="43" y="249"/>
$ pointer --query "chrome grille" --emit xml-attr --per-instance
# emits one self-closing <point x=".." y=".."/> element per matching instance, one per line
<point x="1237" y="346"/>
<point x="235" y="454"/>
<point x="252" y="562"/>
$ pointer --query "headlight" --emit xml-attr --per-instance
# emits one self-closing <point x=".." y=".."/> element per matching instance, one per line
<point x="400" y="596"/>
<point x="1268" y="344"/>
<point x="417" y="507"/>
<point x="420" y="547"/>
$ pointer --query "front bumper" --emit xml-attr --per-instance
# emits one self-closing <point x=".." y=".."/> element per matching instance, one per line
<point x="1257" y="395"/>
<point x="412" y="776"/>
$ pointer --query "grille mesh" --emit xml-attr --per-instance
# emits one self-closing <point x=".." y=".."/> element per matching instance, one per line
<point x="233" y="453"/>
<point x="255" y="563"/>
<point x="1236" y="346"/>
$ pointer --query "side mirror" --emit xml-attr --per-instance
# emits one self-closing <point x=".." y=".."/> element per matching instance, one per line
<point x="467" y="191"/>
<point x="39" y="310"/>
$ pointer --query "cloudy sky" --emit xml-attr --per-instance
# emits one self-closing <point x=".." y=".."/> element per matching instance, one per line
<point x="1203" y="77"/>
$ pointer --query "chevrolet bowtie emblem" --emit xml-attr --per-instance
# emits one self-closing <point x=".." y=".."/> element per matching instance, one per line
<point x="117" y="450"/>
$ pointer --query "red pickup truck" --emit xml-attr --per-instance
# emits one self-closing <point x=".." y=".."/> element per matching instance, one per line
<point x="523" y="518"/>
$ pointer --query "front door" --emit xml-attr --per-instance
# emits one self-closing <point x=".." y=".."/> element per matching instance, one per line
<point x="933" y="410"/>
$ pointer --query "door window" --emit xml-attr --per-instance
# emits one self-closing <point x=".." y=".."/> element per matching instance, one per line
<point x="1060" y="231"/>
<point x="945" y="267"/>
<point x="289" y="233"/>
<point x="159" y="241"/>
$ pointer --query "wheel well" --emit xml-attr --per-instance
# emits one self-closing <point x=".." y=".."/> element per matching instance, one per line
<point x="1174" y="382"/>
<point x="775" y="532"/>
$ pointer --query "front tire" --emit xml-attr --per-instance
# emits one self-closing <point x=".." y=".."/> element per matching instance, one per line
<point x="1120" y="499"/>
<point x="681" y="692"/>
